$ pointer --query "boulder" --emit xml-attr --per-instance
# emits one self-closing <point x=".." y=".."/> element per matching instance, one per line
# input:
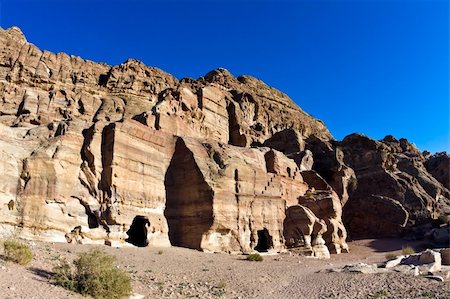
<point x="427" y="261"/>
<point x="394" y="262"/>
<point x="375" y="217"/>
<point x="445" y="256"/>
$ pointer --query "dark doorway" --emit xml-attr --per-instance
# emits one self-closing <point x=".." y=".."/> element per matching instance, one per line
<point x="137" y="234"/>
<point x="264" y="241"/>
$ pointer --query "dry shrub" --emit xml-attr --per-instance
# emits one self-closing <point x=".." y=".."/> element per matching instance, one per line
<point x="390" y="256"/>
<point x="95" y="274"/>
<point x="255" y="257"/>
<point x="17" y="252"/>
<point x="408" y="250"/>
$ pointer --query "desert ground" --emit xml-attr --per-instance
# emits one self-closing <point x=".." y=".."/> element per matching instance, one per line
<point x="185" y="273"/>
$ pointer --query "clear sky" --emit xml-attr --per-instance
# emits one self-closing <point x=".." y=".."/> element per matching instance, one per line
<point x="375" y="67"/>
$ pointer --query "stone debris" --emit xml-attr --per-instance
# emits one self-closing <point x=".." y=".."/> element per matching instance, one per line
<point x="428" y="260"/>
<point x="426" y="263"/>
<point x="394" y="262"/>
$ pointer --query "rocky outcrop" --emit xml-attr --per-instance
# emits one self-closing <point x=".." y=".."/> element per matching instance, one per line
<point x="257" y="111"/>
<point x="394" y="189"/>
<point x="438" y="166"/>
<point x="129" y="154"/>
<point x="329" y="163"/>
<point x="322" y="200"/>
<point x="303" y="229"/>
<point x="375" y="216"/>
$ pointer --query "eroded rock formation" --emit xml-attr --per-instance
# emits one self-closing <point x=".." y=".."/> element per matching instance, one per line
<point x="128" y="153"/>
<point x="438" y="166"/>
<point x="394" y="189"/>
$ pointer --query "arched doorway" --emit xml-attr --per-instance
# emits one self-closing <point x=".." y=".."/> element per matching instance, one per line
<point x="137" y="234"/>
<point x="264" y="241"/>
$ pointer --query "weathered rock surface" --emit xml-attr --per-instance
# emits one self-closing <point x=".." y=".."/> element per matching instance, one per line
<point x="300" y="227"/>
<point x="113" y="154"/>
<point x="94" y="153"/>
<point x="427" y="261"/>
<point x="445" y="256"/>
<point x="394" y="189"/>
<point x="438" y="166"/>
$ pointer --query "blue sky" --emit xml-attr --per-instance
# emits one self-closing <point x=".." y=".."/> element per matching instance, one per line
<point x="375" y="67"/>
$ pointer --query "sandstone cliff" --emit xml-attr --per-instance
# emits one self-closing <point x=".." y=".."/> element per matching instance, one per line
<point x="128" y="153"/>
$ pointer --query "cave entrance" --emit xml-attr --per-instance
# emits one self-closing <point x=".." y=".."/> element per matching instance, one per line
<point x="189" y="199"/>
<point x="264" y="241"/>
<point x="137" y="234"/>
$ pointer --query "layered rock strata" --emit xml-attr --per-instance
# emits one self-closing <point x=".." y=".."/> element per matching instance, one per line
<point x="94" y="153"/>
<point x="129" y="154"/>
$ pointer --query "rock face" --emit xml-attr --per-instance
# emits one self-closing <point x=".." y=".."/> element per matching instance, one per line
<point x="438" y="166"/>
<point x="394" y="189"/>
<point x="130" y="154"/>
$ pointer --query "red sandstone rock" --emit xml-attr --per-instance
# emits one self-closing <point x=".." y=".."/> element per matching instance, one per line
<point x="129" y="153"/>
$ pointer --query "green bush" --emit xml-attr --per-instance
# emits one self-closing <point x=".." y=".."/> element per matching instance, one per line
<point x="95" y="274"/>
<point x="17" y="252"/>
<point x="408" y="250"/>
<point x="255" y="257"/>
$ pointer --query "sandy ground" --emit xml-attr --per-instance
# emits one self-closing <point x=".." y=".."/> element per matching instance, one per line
<point x="184" y="273"/>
